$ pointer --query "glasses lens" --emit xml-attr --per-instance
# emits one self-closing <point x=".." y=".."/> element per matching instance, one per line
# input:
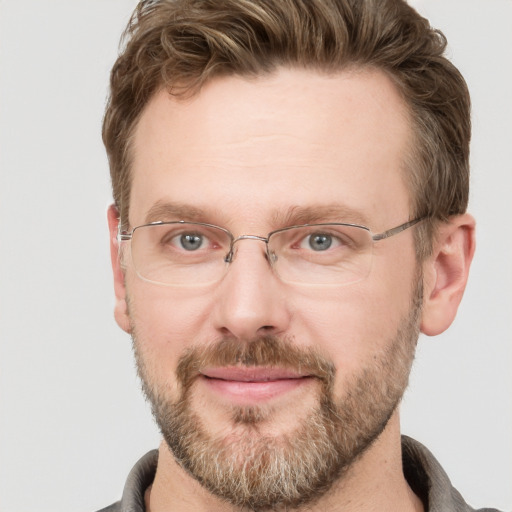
<point x="180" y="253"/>
<point x="188" y="254"/>
<point x="322" y="254"/>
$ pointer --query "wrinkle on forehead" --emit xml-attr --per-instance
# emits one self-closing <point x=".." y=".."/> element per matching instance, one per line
<point x="287" y="143"/>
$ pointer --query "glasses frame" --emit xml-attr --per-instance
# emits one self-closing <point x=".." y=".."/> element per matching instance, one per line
<point x="127" y="236"/>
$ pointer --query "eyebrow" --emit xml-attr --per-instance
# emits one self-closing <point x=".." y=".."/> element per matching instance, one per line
<point x="294" y="215"/>
<point x="165" y="211"/>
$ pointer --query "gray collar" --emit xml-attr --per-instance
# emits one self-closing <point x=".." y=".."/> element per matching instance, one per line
<point x="424" y="474"/>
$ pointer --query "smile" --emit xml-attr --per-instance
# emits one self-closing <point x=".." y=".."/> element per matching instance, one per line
<point x="251" y="385"/>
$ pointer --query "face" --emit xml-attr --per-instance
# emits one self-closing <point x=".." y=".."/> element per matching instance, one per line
<point x="252" y="375"/>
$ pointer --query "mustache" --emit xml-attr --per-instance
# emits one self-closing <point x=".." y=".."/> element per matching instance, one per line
<point x="265" y="351"/>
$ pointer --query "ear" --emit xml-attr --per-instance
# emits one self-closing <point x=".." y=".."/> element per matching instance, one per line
<point x="120" y="308"/>
<point x="446" y="273"/>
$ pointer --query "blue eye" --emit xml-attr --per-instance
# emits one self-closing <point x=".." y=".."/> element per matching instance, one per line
<point x="320" y="241"/>
<point x="191" y="241"/>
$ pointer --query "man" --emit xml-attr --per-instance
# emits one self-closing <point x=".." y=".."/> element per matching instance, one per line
<point x="290" y="182"/>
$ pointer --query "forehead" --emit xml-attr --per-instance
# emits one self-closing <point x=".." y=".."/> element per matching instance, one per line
<point x="246" y="148"/>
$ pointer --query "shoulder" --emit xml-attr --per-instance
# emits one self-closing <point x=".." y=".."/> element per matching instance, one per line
<point x="429" y="481"/>
<point x="115" y="507"/>
<point x="139" y="479"/>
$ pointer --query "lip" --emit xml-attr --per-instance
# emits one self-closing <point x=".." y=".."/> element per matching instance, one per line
<point x="252" y="385"/>
<point x="251" y="373"/>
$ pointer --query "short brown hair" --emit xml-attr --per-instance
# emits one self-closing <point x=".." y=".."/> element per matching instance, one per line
<point x="180" y="44"/>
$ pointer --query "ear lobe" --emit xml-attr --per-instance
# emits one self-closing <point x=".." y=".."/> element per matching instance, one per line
<point x="446" y="273"/>
<point x="120" y="308"/>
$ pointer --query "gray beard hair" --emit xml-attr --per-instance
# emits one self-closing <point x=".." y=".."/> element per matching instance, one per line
<point x="258" y="472"/>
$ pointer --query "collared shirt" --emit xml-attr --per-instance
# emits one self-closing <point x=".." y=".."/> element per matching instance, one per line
<point x="424" y="474"/>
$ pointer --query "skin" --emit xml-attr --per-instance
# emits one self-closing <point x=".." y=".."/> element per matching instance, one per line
<point x="244" y="153"/>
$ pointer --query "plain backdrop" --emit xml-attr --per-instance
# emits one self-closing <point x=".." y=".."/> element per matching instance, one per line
<point x="72" y="419"/>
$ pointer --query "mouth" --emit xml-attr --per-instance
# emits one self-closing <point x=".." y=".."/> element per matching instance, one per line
<point x="252" y="385"/>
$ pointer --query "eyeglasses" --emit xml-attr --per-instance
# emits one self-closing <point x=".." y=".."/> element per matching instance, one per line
<point x="184" y="253"/>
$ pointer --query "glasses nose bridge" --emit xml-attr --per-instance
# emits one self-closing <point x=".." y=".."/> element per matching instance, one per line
<point x="230" y="255"/>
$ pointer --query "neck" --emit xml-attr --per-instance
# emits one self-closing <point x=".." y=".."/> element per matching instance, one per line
<point x="375" y="482"/>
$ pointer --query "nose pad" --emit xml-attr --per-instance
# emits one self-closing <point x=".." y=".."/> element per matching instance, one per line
<point x="271" y="256"/>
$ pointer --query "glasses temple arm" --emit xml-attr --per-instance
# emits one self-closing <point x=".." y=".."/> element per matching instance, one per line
<point x="398" y="229"/>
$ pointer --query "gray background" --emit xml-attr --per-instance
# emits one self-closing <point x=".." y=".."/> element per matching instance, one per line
<point x="72" y="420"/>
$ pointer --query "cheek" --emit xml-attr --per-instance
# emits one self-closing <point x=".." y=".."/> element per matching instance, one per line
<point x="353" y="325"/>
<point x="167" y="320"/>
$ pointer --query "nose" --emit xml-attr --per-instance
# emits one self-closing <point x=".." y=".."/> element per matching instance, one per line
<point x="250" y="300"/>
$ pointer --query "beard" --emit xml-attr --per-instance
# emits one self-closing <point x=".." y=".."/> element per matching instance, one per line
<point x="255" y="470"/>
